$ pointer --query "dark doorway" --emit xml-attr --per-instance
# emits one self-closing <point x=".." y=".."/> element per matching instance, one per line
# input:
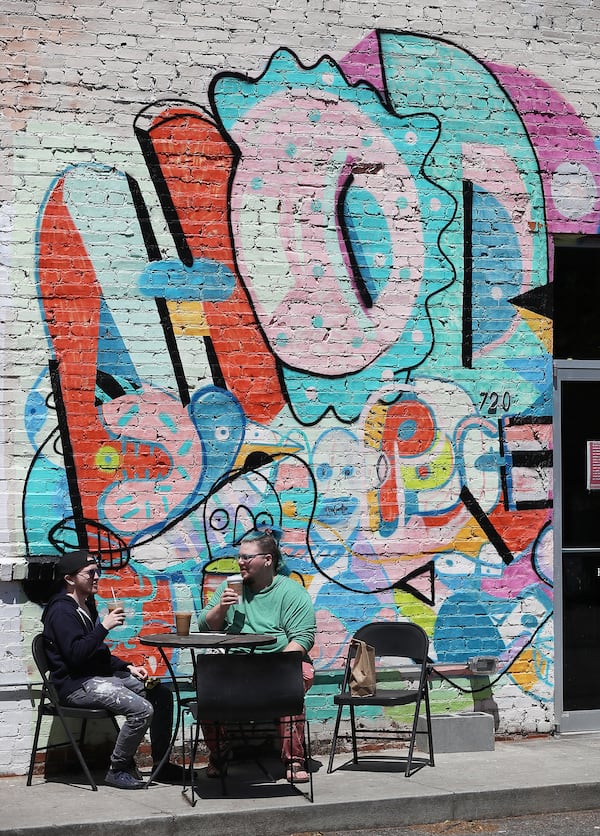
<point x="580" y="422"/>
<point x="577" y="299"/>
<point x="577" y="503"/>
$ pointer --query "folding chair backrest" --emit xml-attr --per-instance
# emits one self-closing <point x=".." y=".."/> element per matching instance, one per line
<point x="248" y="686"/>
<point x="401" y="639"/>
<point x="38" y="651"/>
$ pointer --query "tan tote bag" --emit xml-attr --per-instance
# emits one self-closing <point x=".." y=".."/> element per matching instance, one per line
<point x="362" y="674"/>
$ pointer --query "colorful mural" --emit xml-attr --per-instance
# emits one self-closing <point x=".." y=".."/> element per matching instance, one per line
<point x="353" y="343"/>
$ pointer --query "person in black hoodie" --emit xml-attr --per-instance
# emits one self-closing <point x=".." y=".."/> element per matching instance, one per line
<point x="86" y="674"/>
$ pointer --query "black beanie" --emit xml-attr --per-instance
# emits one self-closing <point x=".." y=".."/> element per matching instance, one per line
<point x="72" y="563"/>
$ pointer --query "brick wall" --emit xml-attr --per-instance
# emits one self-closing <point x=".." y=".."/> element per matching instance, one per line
<point x="291" y="264"/>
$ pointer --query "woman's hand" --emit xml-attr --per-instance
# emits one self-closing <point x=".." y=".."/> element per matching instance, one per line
<point x="229" y="598"/>
<point x="215" y="618"/>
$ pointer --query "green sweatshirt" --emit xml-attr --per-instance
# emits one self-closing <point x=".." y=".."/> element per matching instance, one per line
<point x="284" y="609"/>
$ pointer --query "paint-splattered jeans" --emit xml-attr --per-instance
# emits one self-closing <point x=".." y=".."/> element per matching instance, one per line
<point x="124" y="695"/>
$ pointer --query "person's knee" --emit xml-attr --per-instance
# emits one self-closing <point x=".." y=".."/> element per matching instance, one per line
<point x="144" y="713"/>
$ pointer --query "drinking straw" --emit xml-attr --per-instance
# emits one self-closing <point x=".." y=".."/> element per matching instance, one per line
<point x="113" y="595"/>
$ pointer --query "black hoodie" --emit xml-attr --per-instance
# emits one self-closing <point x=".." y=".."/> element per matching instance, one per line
<point x="75" y="644"/>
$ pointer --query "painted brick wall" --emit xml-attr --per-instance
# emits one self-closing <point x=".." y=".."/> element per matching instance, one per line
<point x="291" y="264"/>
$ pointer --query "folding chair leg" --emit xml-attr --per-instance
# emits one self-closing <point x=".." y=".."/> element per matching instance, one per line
<point x="353" y="728"/>
<point x="290" y="764"/>
<point x="413" y="735"/>
<point x="194" y="739"/>
<point x="308" y="759"/>
<point x="335" y="738"/>
<point x="183" y="767"/>
<point x="429" y="729"/>
<point x="75" y="746"/>
<point x="193" y="750"/>
<point x="34" y="746"/>
<point x="80" y="757"/>
<point x="75" y="743"/>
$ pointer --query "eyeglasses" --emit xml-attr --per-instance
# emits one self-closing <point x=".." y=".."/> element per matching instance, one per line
<point x="246" y="558"/>
<point x="91" y="573"/>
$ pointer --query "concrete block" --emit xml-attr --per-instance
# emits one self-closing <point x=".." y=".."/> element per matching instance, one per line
<point x="464" y="731"/>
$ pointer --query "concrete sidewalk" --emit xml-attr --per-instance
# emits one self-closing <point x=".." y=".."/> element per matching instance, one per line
<point x="531" y="775"/>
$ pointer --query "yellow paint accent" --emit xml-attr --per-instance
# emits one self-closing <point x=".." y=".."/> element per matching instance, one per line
<point x="541" y="327"/>
<point x="523" y="670"/>
<point x="373" y="509"/>
<point x="270" y="449"/>
<point x="440" y="470"/>
<point x="374" y="425"/>
<point x="415" y="610"/>
<point x="289" y="509"/>
<point x="188" y="319"/>
<point x="107" y="459"/>
<point x="531" y="666"/>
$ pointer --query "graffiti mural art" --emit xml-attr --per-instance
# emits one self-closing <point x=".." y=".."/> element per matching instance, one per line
<point x="362" y="269"/>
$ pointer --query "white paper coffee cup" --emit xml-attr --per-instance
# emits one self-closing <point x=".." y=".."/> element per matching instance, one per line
<point x="236" y="583"/>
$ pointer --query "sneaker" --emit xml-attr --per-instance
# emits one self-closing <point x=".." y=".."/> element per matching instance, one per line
<point x="131" y="767"/>
<point x="122" y="780"/>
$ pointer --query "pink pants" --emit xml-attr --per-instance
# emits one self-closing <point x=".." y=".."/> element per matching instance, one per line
<point x="292" y="749"/>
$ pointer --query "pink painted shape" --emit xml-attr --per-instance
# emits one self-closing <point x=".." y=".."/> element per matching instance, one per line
<point x="363" y="63"/>
<point x="528" y="436"/>
<point x="558" y="136"/>
<point x="141" y="499"/>
<point x="303" y="296"/>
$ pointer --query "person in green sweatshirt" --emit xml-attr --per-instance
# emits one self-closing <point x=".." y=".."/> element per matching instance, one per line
<point x="268" y="603"/>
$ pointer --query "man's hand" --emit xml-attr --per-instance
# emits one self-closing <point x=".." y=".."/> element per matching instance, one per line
<point x="114" y="618"/>
<point x="138" y="672"/>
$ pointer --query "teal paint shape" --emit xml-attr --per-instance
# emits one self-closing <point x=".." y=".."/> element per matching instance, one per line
<point x="439" y="78"/>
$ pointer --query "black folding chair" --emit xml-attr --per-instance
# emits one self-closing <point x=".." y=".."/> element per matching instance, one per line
<point x="392" y="641"/>
<point x="248" y="692"/>
<point x="50" y="706"/>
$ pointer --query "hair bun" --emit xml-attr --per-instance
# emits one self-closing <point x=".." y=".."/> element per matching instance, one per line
<point x="266" y="528"/>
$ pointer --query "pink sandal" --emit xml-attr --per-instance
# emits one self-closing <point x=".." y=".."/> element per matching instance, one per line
<point x="296" y="773"/>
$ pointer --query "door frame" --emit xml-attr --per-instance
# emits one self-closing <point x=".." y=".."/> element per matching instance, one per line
<point x="570" y="721"/>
